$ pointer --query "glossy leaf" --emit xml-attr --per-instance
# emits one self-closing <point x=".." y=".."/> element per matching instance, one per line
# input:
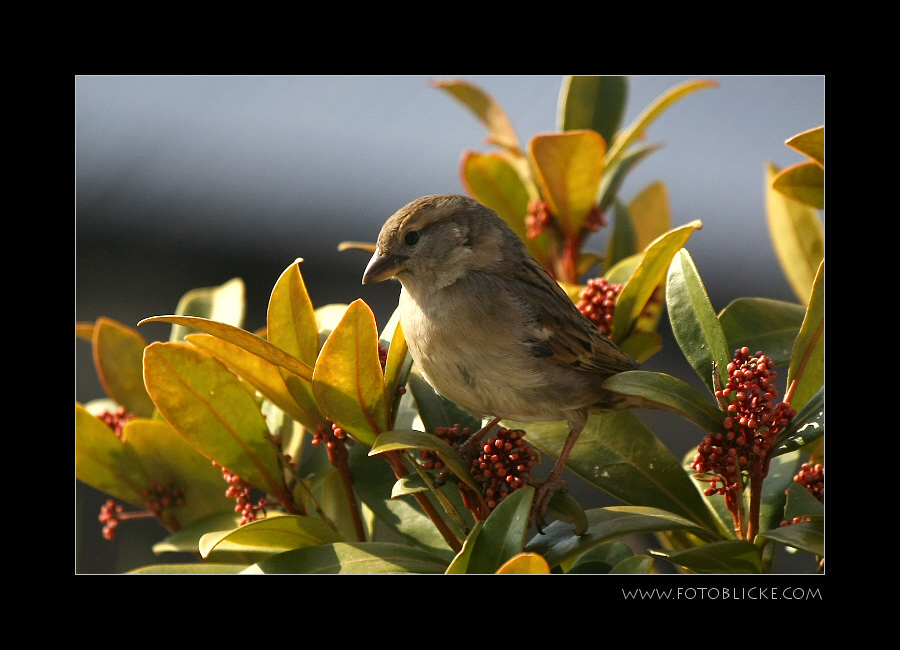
<point x="652" y="270"/>
<point x="782" y="470"/>
<point x="503" y="534"/>
<point x="727" y="556"/>
<point x="810" y="143"/>
<point x="808" y="356"/>
<point x="104" y="462"/>
<point x="635" y="565"/>
<point x="806" y="427"/>
<point x="352" y="558"/>
<point x="165" y="455"/>
<point x="412" y="439"/>
<point x="241" y="338"/>
<point x="669" y="393"/>
<point x="273" y="534"/>
<point x="592" y="102"/>
<point x="797" y="235"/>
<point x="559" y="545"/>
<point x="118" y="352"/>
<point x="486" y="109"/>
<point x="661" y="104"/>
<point x="460" y="563"/>
<point x="806" y="536"/>
<point x="617" y="453"/>
<point x="801" y="503"/>
<point x="187" y="540"/>
<point x="762" y="324"/>
<point x="600" y="559"/>
<point x="348" y="382"/>
<point x="224" y="304"/>
<point x="568" y="167"/>
<point x="437" y="411"/>
<point x="803" y="182"/>
<point x="264" y="376"/>
<point x="525" y="564"/>
<point x="694" y="322"/>
<point x="214" y="412"/>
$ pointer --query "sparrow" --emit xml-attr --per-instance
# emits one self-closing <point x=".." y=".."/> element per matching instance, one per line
<point x="488" y="326"/>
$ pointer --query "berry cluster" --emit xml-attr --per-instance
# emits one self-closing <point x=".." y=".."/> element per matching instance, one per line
<point x="453" y="436"/>
<point x="240" y="492"/>
<point x="323" y="435"/>
<point x="160" y="496"/>
<point x="110" y="517"/>
<point x="116" y="420"/>
<point x="595" y="219"/>
<point x="753" y="420"/>
<point x="812" y="477"/>
<point x="598" y="302"/>
<point x="538" y="219"/>
<point x="503" y="466"/>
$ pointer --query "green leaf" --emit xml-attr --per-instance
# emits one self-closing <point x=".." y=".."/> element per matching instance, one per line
<point x="782" y="470"/>
<point x="486" y="109"/>
<point x="460" y="563"/>
<point x="396" y="370"/>
<point x="807" y="426"/>
<point x="214" y="412"/>
<point x="559" y="545"/>
<point x="614" y="175"/>
<point x="189" y="569"/>
<point x="694" y="322"/>
<point x="595" y="102"/>
<point x="165" y="455"/>
<point x="622" y="242"/>
<point x="646" y="278"/>
<point x="637" y="564"/>
<point x="272" y="534"/>
<point x="412" y="439"/>
<point x="810" y="143"/>
<point x="224" y="304"/>
<point x="118" y="353"/>
<point x="806" y="536"/>
<point x="617" y="453"/>
<point x="104" y="462"/>
<point x="602" y="558"/>
<point x="803" y="182"/>
<point x="797" y="235"/>
<point x="187" y="540"/>
<point x="348" y="382"/>
<point x="801" y="503"/>
<point x="241" y="338"/>
<point x="727" y="556"/>
<point x="568" y="167"/>
<point x="503" y="534"/>
<point x="352" y="558"/>
<point x="808" y="356"/>
<point x="670" y="394"/>
<point x="661" y="104"/>
<point x="436" y="410"/>
<point x="770" y="326"/>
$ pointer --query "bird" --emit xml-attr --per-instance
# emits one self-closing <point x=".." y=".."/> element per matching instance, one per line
<point x="488" y="326"/>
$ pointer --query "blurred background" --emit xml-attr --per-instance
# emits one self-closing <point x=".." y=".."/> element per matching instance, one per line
<point x="189" y="181"/>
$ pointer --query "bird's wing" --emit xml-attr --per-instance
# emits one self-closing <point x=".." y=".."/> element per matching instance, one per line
<point x="560" y="331"/>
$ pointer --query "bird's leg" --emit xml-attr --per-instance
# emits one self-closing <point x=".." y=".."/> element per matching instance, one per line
<point x="469" y="449"/>
<point x="554" y="481"/>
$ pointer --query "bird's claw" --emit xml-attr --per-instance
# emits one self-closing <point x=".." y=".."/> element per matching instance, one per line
<point x="545" y="492"/>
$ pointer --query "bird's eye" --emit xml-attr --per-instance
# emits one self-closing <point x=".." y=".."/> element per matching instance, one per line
<point x="411" y="238"/>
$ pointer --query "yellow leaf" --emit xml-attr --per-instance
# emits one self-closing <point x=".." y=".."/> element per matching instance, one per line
<point x="810" y="143"/>
<point x="650" y="215"/>
<point x="118" y="351"/>
<point x="803" y="182"/>
<point x="485" y="108"/>
<point x="525" y="563"/>
<point x="798" y="237"/>
<point x="568" y="167"/>
<point x="348" y="382"/>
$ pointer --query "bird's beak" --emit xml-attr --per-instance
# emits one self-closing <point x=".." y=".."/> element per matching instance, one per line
<point x="380" y="268"/>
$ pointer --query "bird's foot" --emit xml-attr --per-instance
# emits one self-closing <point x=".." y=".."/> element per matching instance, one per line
<point x="542" y="496"/>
